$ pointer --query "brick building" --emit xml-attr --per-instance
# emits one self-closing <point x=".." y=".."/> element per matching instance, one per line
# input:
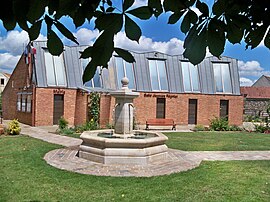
<point x="44" y="87"/>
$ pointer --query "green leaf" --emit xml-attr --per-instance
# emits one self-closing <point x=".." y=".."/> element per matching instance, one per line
<point x="216" y="37"/>
<point x="156" y="7"/>
<point x="267" y="40"/>
<point x="174" y="5"/>
<point x="219" y="7"/>
<point x="65" y="31"/>
<point x="87" y="53"/>
<point x="127" y="4"/>
<point x="143" y="12"/>
<point x="110" y="9"/>
<point x="133" y="31"/>
<point x="54" y="44"/>
<point x="190" y="18"/>
<point x="101" y="53"/>
<point x="234" y="32"/>
<point x="35" y="30"/>
<point x="89" y="71"/>
<point x="175" y="17"/>
<point x="255" y="36"/>
<point x="195" y="45"/>
<point x="36" y="10"/>
<point x="125" y="55"/>
<point x="7" y="17"/>
<point x="203" y="8"/>
<point x="111" y="22"/>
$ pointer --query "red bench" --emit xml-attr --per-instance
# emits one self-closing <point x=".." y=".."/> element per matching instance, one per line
<point x="160" y="122"/>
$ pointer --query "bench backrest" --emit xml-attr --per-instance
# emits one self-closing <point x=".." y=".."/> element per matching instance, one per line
<point x="160" y="121"/>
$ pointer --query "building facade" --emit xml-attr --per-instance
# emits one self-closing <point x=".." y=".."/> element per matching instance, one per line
<point x="43" y="88"/>
<point x="4" y="77"/>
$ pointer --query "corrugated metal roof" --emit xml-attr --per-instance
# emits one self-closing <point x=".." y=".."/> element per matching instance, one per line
<point x="73" y="68"/>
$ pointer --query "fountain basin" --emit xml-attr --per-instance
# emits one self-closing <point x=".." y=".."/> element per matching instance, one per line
<point x="139" y="148"/>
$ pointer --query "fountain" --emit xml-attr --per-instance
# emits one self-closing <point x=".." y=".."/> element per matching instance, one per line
<point x="123" y="145"/>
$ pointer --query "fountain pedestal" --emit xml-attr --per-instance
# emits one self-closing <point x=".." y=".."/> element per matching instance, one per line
<point x="123" y="145"/>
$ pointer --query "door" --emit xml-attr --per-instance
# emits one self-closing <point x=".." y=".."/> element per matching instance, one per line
<point x="160" y="111"/>
<point x="192" y="111"/>
<point x="58" y="108"/>
<point x="224" y="109"/>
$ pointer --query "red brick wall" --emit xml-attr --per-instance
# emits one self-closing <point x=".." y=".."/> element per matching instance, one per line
<point x="74" y="106"/>
<point x="106" y="109"/>
<point x="16" y="83"/>
<point x="177" y="107"/>
<point x="81" y="109"/>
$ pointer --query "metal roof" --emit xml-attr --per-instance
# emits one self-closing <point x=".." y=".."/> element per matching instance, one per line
<point x="73" y="68"/>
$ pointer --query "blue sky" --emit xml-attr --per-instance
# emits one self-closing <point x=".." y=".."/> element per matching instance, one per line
<point x="157" y="35"/>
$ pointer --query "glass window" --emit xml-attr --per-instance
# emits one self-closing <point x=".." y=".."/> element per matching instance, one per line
<point x="158" y="75"/>
<point x="124" y="69"/>
<point x="2" y="81"/>
<point x="19" y="98"/>
<point x="190" y="77"/>
<point x="23" y="102"/>
<point x="55" y="70"/>
<point x="222" y="77"/>
<point x="96" y="81"/>
<point x="29" y="103"/>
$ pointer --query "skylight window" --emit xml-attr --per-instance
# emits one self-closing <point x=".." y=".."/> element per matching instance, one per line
<point x="190" y="77"/>
<point x="55" y="69"/>
<point x="125" y="69"/>
<point x="158" y="75"/>
<point x="222" y="78"/>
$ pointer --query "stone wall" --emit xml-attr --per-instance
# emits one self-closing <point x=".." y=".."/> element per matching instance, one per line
<point x="255" y="107"/>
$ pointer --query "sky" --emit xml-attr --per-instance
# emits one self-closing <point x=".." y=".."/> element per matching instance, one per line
<point x="157" y="35"/>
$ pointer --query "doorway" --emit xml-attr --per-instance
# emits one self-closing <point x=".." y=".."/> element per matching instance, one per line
<point x="58" y="108"/>
<point x="192" y="111"/>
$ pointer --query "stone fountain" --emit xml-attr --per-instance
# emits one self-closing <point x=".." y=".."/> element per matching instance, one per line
<point x="123" y="145"/>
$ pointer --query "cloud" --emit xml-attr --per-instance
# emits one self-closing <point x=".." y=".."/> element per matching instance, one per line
<point x="245" y="81"/>
<point x="251" y="68"/>
<point x="172" y="47"/>
<point x="85" y="36"/>
<point x="15" y="41"/>
<point x="12" y="46"/>
<point x="8" y="61"/>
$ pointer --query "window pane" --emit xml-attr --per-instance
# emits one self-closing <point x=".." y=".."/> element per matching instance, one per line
<point x="218" y="78"/>
<point x="153" y="75"/>
<point x="162" y="75"/>
<point x="186" y="76"/>
<point x="96" y="79"/>
<point x="23" y="103"/>
<point x="130" y="75"/>
<point x="194" y="77"/>
<point x="59" y="70"/>
<point x="49" y="69"/>
<point x="19" y="102"/>
<point x="226" y="78"/>
<point x="120" y="70"/>
<point x="29" y="103"/>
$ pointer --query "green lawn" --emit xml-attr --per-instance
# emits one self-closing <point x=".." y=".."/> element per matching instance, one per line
<point x="218" y="141"/>
<point x="25" y="176"/>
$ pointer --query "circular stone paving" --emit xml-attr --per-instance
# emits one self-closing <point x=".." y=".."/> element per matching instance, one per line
<point x="67" y="159"/>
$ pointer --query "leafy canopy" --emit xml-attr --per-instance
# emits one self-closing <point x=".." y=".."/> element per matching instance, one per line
<point x="225" y="20"/>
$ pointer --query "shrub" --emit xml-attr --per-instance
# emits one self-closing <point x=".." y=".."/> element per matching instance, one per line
<point x="109" y="126"/>
<point x="67" y="131"/>
<point x="234" y="128"/>
<point x="219" y="124"/>
<point x="199" y="127"/>
<point x="14" y="127"/>
<point x="62" y="123"/>
<point x="261" y="128"/>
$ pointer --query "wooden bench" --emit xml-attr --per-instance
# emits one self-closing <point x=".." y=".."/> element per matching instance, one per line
<point x="160" y="122"/>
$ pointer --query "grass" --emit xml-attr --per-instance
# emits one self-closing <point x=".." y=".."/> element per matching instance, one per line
<point x="218" y="141"/>
<point x="25" y="176"/>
